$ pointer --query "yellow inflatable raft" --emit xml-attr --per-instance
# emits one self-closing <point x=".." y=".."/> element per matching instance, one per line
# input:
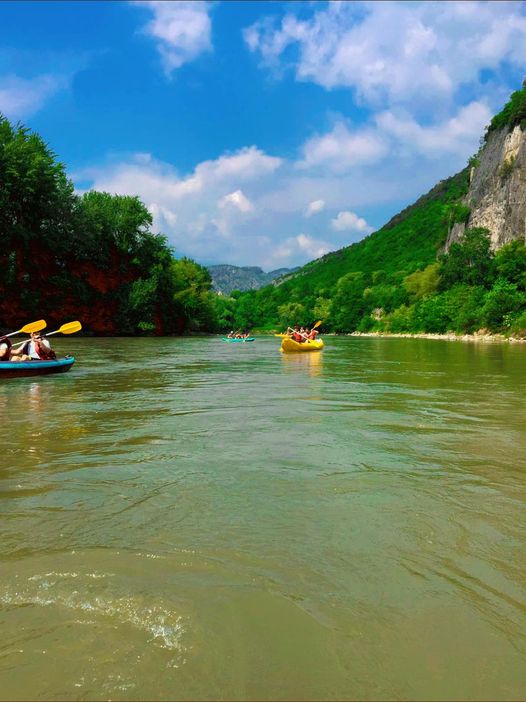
<point x="288" y="345"/>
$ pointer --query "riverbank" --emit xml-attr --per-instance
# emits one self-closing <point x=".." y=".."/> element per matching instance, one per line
<point x="449" y="336"/>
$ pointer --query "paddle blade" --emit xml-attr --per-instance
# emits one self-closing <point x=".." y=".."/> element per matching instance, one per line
<point x="33" y="327"/>
<point x="320" y="321"/>
<point x="70" y="328"/>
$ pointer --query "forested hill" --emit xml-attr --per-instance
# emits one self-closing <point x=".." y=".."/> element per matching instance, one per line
<point x="455" y="260"/>
<point x="91" y="257"/>
<point x="226" y="278"/>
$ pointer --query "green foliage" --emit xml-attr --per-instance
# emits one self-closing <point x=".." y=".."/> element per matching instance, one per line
<point x="513" y="113"/>
<point x="510" y="263"/>
<point x="506" y="169"/>
<point x="518" y="324"/>
<point x="503" y="299"/>
<point x="468" y="261"/>
<point x="93" y="254"/>
<point x="422" y="283"/>
<point x="291" y="311"/>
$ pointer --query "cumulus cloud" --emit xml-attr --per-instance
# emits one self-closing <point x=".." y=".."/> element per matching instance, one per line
<point x="237" y="200"/>
<point x="341" y="149"/>
<point x="395" y="52"/>
<point x="301" y="247"/>
<point x="163" y="217"/>
<point x="314" y="207"/>
<point x="22" y="97"/>
<point x="349" y="221"/>
<point x="181" y="29"/>
<point x="451" y="135"/>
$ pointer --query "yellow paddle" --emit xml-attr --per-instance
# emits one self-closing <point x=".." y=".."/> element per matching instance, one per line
<point x="68" y="328"/>
<point x="320" y="321"/>
<point x="30" y="328"/>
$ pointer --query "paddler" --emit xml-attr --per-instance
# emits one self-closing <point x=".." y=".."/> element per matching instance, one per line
<point x="8" y="353"/>
<point x="5" y="348"/>
<point x="37" y="348"/>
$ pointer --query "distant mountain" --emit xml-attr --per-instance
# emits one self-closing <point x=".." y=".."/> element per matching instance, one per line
<point x="227" y="278"/>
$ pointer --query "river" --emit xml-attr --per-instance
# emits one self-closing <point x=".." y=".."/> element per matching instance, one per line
<point x="183" y="518"/>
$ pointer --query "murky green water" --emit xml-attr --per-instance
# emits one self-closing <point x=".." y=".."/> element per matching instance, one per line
<point x="186" y="518"/>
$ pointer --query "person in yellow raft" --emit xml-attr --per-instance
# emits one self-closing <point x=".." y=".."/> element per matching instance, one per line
<point x="302" y="334"/>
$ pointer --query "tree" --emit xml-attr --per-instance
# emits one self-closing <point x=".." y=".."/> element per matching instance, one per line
<point x="470" y="261"/>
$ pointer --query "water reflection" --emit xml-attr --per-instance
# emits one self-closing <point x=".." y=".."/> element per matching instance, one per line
<point x="308" y="362"/>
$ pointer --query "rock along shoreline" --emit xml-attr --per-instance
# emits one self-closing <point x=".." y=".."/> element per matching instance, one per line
<point x="450" y="336"/>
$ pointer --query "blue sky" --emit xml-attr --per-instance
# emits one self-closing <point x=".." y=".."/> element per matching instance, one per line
<point x="261" y="133"/>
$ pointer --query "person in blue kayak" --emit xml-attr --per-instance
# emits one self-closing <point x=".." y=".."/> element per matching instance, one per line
<point x="9" y="353"/>
<point x="5" y="348"/>
<point x="37" y="348"/>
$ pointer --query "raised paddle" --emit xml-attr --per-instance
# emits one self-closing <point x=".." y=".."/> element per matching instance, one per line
<point x="320" y="321"/>
<point x="68" y="328"/>
<point x="30" y="328"/>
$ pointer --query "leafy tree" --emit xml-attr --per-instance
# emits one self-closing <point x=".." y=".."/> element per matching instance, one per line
<point x="503" y="299"/>
<point x="469" y="261"/>
<point x="510" y="263"/>
<point x="422" y="283"/>
<point x="291" y="313"/>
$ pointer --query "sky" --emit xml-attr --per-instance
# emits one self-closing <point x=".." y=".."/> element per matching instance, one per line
<point x="261" y="133"/>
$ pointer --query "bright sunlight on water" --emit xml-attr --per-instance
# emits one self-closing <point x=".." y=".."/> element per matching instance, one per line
<point x="190" y="519"/>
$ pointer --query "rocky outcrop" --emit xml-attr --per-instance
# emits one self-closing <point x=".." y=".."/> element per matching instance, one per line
<point x="497" y="191"/>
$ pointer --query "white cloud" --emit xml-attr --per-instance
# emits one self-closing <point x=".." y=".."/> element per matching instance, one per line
<point x="349" y="221"/>
<point x="157" y="181"/>
<point x="459" y="133"/>
<point x="301" y="247"/>
<point x="182" y="30"/>
<point x="238" y="200"/>
<point x="21" y="97"/>
<point x="341" y="149"/>
<point x="314" y="207"/>
<point x="246" y="207"/>
<point x="163" y="217"/>
<point x="396" y="52"/>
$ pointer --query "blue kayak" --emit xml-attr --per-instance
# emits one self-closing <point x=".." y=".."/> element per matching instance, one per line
<point x="20" y="369"/>
<point x="249" y="338"/>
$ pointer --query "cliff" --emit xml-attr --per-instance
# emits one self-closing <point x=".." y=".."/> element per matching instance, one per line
<point x="497" y="189"/>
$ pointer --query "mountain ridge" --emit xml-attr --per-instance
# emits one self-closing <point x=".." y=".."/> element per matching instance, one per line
<point x="227" y="277"/>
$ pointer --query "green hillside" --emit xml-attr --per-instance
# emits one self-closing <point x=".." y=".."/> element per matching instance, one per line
<point x="398" y="279"/>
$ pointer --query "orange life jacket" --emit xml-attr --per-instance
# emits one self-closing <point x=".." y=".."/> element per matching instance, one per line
<point x="42" y="351"/>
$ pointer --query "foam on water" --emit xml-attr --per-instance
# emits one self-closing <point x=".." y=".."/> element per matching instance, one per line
<point x="163" y="624"/>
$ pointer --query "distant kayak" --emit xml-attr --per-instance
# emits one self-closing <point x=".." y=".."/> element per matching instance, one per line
<point x="249" y="338"/>
<point x="288" y="345"/>
<point x="21" y="369"/>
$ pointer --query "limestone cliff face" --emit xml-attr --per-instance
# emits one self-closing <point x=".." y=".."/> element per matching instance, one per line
<point x="497" y="191"/>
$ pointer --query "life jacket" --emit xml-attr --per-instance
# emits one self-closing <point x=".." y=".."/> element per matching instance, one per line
<point x="6" y="340"/>
<point x="42" y="351"/>
<point x="297" y="337"/>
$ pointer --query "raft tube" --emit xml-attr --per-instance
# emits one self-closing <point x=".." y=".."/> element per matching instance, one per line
<point x="288" y="345"/>
<point x="21" y="369"/>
